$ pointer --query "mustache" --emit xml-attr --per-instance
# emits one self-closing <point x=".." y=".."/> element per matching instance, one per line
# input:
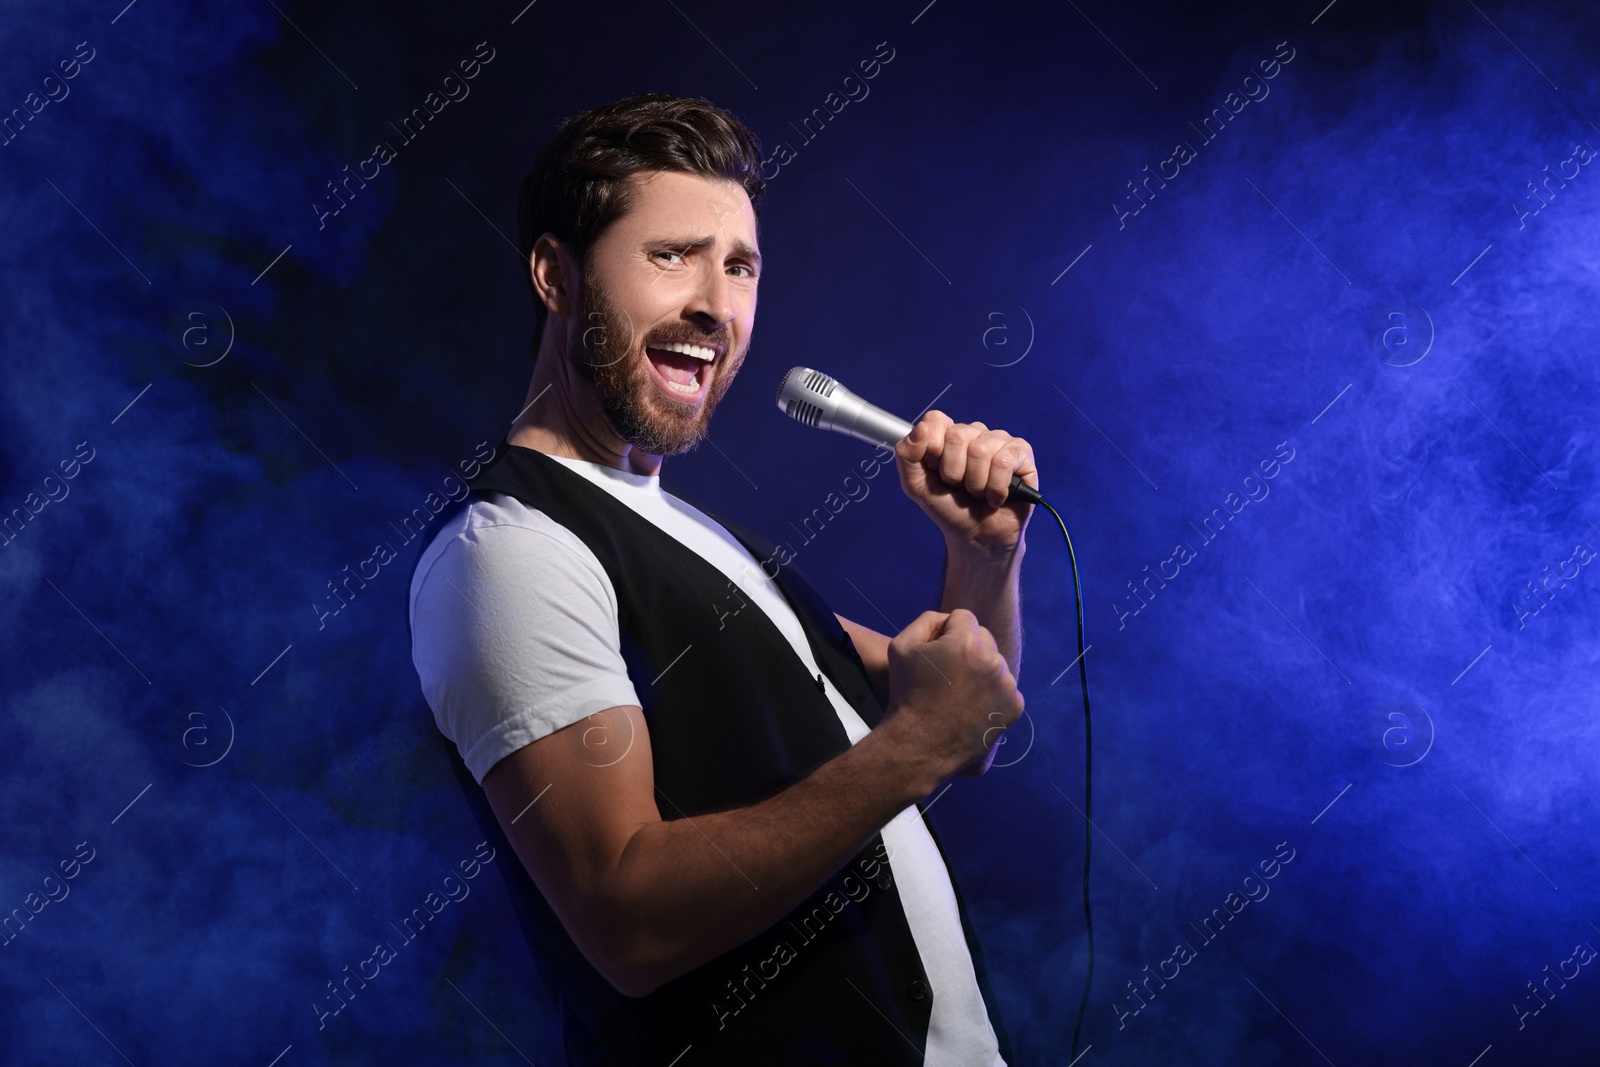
<point x="720" y="339"/>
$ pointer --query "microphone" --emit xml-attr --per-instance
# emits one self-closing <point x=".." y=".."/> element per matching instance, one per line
<point x="815" y="399"/>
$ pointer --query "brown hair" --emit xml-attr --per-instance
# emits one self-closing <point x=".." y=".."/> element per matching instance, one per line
<point x="579" y="184"/>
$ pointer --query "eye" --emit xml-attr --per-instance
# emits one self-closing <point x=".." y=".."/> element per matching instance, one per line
<point x="679" y="256"/>
<point x="748" y="273"/>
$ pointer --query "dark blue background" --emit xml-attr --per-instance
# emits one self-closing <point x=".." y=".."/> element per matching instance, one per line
<point x="917" y="244"/>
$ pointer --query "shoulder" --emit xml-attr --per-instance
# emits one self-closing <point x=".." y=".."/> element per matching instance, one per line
<point x="500" y="540"/>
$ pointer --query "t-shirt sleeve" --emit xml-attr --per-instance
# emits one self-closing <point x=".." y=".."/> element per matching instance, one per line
<point x="514" y="636"/>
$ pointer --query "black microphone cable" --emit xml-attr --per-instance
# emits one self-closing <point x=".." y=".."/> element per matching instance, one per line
<point x="1088" y="765"/>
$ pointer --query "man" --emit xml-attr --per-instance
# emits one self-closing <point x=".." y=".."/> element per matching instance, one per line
<point x="710" y="780"/>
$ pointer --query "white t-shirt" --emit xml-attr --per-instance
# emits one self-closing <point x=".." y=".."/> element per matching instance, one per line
<point x="515" y="635"/>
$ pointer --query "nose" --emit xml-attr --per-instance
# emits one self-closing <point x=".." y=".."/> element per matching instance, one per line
<point x="711" y="304"/>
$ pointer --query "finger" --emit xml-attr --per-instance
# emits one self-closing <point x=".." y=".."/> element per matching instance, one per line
<point x="1012" y="458"/>
<point x="1027" y="470"/>
<point x="961" y="622"/>
<point x="997" y="663"/>
<point x="981" y="457"/>
<point x="924" y="628"/>
<point x="953" y="461"/>
<point x="986" y="640"/>
<point x="926" y="437"/>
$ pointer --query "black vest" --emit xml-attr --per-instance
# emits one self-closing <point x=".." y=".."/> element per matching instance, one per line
<point x="733" y="717"/>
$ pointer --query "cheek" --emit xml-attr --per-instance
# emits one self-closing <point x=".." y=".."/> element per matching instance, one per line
<point x="613" y="324"/>
<point x="745" y="311"/>
<point x="725" y="375"/>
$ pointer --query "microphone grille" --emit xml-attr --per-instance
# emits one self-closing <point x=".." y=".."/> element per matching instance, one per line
<point x="805" y="395"/>
<point x="819" y="383"/>
<point x="802" y="411"/>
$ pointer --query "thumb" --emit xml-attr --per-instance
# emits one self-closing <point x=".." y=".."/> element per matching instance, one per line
<point x="924" y="628"/>
<point x="962" y="621"/>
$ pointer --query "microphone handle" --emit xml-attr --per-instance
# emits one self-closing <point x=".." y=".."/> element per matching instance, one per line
<point x="870" y="423"/>
<point x="1021" y="490"/>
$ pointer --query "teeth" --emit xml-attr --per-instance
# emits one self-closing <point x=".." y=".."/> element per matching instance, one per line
<point x="687" y="389"/>
<point x="699" y="352"/>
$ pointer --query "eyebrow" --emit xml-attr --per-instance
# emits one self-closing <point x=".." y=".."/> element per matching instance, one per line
<point x="740" y="247"/>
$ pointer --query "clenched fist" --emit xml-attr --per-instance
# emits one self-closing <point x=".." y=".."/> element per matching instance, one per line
<point x="960" y="473"/>
<point x="950" y="694"/>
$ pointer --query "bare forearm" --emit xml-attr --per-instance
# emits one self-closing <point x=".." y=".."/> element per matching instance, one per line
<point x="991" y="590"/>
<point x="689" y="889"/>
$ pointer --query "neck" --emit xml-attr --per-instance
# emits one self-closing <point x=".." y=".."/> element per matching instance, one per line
<point x="562" y="417"/>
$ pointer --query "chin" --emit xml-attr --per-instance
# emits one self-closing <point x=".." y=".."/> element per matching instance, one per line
<point x="644" y="414"/>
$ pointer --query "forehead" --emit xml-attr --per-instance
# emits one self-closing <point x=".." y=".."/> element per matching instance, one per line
<point x="670" y="200"/>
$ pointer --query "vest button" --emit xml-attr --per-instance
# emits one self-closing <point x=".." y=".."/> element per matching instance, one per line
<point x="885" y="879"/>
<point x="917" y="990"/>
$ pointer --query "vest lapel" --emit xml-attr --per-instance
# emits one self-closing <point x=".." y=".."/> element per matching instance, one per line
<point x="831" y="646"/>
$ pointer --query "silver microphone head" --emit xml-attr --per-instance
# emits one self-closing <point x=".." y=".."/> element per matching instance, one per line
<point x="818" y="400"/>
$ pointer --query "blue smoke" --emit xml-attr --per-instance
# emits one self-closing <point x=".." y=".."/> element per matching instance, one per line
<point x="1381" y="259"/>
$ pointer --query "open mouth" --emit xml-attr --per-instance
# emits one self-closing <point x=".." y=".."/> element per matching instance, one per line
<point x="682" y="369"/>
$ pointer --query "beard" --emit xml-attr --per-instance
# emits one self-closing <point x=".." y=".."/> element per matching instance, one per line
<point x="636" y="409"/>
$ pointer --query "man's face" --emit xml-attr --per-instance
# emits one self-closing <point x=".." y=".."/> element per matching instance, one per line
<point x="670" y="283"/>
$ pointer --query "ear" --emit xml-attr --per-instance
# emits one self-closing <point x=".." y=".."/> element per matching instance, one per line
<point x="552" y="269"/>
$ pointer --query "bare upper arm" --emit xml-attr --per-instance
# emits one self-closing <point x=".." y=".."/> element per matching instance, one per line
<point x="569" y="803"/>
<point x="873" y="648"/>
